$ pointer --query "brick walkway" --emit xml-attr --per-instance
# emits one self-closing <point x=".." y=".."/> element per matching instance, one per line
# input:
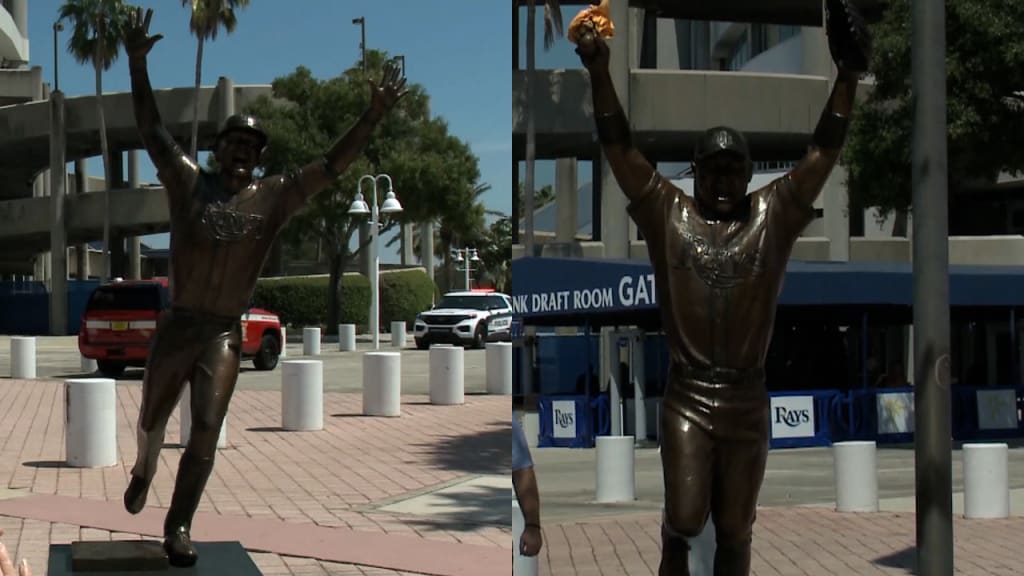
<point x="788" y="542"/>
<point x="333" y="479"/>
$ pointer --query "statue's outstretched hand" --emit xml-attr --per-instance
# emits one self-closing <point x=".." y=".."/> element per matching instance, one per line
<point x="591" y="48"/>
<point x="390" y="90"/>
<point x="137" y="41"/>
<point x="848" y="37"/>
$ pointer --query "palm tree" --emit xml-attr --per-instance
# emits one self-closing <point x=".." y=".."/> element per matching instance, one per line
<point x="552" y="27"/>
<point x="97" y="33"/>
<point x="208" y="17"/>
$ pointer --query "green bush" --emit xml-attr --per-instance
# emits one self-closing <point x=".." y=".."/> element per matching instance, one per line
<point x="403" y="295"/>
<point x="303" y="301"/>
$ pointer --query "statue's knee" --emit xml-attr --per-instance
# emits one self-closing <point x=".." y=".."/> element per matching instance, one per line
<point x="684" y="521"/>
<point x="734" y="532"/>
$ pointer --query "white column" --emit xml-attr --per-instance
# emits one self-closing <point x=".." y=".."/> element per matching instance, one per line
<point x="23" y="357"/>
<point x="302" y="395"/>
<point x="986" y="481"/>
<point x="447" y="382"/>
<point x="499" y="368"/>
<point x="90" y="439"/>
<point x="855" y="465"/>
<point x="616" y="478"/>
<point x="311" y="341"/>
<point x="382" y="384"/>
<point x="346" y="337"/>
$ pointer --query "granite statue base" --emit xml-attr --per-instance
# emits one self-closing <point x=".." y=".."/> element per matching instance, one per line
<point x="146" y="558"/>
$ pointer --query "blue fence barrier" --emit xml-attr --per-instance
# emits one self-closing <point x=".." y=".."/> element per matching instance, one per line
<point x="26" y="306"/>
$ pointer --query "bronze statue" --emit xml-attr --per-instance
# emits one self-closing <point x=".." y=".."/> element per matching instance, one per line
<point x="222" y="227"/>
<point x="719" y="260"/>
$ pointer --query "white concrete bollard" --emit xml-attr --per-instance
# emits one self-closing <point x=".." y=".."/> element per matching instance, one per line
<point x="702" y="551"/>
<point x="346" y="337"/>
<point x="398" y="334"/>
<point x="521" y="565"/>
<point x="447" y="381"/>
<point x="185" y="421"/>
<point x="302" y="395"/>
<point x="499" y="368"/>
<point x="986" y="481"/>
<point x="23" y="357"/>
<point x="284" y="343"/>
<point x="90" y="439"/>
<point x="382" y="384"/>
<point x="531" y="428"/>
<point x="855" y="465"/>
<point x="616" y="478"/>
<point x="88" y="365"/>
<point x="310" y="341"/>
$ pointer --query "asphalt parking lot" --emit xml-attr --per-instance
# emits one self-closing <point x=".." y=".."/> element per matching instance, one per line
<point x="57" y="358"/>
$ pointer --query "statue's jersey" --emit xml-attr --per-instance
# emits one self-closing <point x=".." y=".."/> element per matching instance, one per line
<point x="717" y="284"/>
<point x="220" y="242"/>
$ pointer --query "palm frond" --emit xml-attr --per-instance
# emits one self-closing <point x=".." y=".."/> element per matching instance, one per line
<point x="552" y="22"/>
<point x="87" y="18"/>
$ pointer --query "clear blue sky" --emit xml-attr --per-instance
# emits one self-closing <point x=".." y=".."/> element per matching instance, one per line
<point x="459" y="50"/>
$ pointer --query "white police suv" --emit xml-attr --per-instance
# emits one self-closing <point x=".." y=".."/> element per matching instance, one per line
<point x="466" y="318"/>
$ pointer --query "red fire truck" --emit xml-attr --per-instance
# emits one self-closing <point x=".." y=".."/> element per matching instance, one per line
<point x="120" y="319"/>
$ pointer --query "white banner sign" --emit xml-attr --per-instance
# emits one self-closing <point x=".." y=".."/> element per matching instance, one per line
<point x="563" y="419"/>
<point x="792" y="416"/>
<point x="997" y="409"/>
<point x="895" y="412"/>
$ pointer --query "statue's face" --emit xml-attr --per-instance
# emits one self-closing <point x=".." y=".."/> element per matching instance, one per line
<point x="238" y="153"/>
<point x="722" y="182"/>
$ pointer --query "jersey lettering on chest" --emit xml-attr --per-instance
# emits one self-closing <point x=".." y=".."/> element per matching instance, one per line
<point x="222" y="222"/>
<point x="722" y="258"/>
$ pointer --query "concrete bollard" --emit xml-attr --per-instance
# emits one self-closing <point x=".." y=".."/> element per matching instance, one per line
<point x="986" y="481"/>
<point x="521" y="565"/>
<point x="702" y="551"/>
<point x="90" y="439"/>
<point x="23" y="357"/>
<point x="185" y="421"/>
<point x="616" y="478"/>
<point x="346" y="337"/>
<point x="284" y="343"/>
<point x="499" y="368"/>
<point x="310" y="341"/>
<point x="382" y="384"/>
<point x="447" y="381"/>
<point x="88" y="365"/>
<point x="855" y="465"/>
<point x="302" y="395"/>
<point x="531" y="428"/>
<point x="398" y="334"/>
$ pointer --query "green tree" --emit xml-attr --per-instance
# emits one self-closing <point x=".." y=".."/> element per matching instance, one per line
<point x="208" y="17"/>
<point x="495" y="253"/>
<point x="985" y="106"/>
<point x="541" y="198"/>
<point x="433" y="172"/>
<point x="97" y="34"/>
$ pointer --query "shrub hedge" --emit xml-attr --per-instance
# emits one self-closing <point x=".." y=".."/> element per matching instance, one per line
<point x="302" y="301"/>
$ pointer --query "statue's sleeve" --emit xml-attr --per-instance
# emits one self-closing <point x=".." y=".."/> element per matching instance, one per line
<point x="650" y="209"/>
<point x="788" y="213"/>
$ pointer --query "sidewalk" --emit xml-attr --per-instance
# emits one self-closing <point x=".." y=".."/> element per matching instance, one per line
<point x="302" y="503"/>
<point x="788" y="541"/>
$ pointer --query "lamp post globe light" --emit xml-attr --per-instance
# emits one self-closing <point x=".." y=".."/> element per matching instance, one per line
<point x="390" y="206"/>
<point x="467" y="257"/>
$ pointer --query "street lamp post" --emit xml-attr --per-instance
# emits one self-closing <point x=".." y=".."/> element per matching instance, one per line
<point x="467" y="257"/>
<point x="390" y="206"/>
<point x="361" y="22"/>
<point x="57" y="27"/>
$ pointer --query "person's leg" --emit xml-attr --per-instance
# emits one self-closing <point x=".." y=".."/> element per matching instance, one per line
<point x="738" y="472"/>
<point x="170" y="361"/>
<point x="212" y="384"/>
<point x="686" y="462"/>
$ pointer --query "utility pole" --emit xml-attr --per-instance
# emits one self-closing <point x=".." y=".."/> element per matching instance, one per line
<point x="932" y="413"/>
<point x="361" y="21"/>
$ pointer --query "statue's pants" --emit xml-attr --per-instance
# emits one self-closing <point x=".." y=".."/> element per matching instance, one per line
<point x="204" y="350"/>
<point x="713" y="451"/>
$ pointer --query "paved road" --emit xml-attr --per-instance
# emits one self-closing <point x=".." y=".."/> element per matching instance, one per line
<point x="57" y="357"/>
<point x="802" y="477"/>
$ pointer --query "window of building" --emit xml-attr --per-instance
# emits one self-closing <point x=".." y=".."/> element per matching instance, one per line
<point x="741" y="54"/>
